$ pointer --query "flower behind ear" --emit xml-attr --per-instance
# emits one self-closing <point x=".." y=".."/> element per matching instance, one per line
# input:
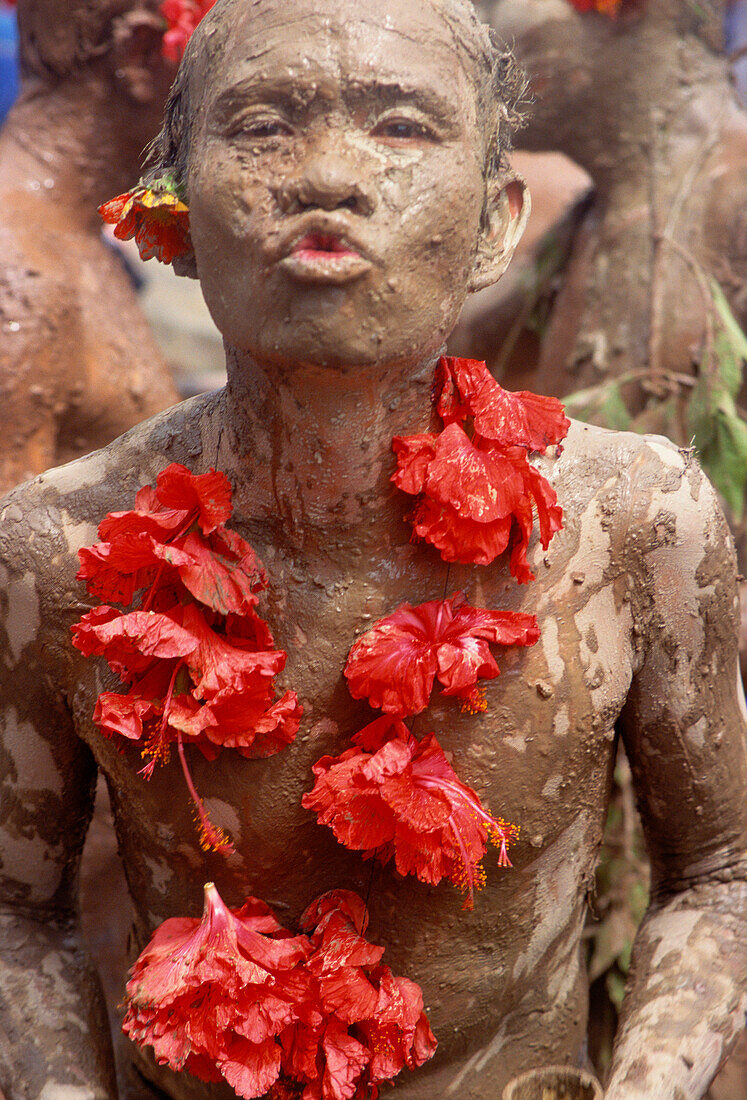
<point x="156" y="217"/>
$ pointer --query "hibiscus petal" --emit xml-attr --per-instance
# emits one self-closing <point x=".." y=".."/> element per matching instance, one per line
<point x="129" y="641"/>
<point x="414" y="806"/>
<point x="414" y="453"/>
<point x="447" y="396"/>
<point x="349" y="994"/>
<point x="549" y="512"/>
<point x="116" y="570"/>
<point x="466" y="387"/>
<point x="481" y="485"/>
<point x="251" y="1068"/>
<point x="459" y="539"/>
<point x="498" y="627"/>
<point x="346" y="1059"/>
<point x="393" y="664"/>
<point x="207" y="495"/>
<point x="124" y="715"/>
<point x="461" y="665"/>
<point x="213" y="575"/>
<point x="382" y="730"/>
<point x="216" y="665"/>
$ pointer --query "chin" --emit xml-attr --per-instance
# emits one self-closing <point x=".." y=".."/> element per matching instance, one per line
<point x="312" y="343"/>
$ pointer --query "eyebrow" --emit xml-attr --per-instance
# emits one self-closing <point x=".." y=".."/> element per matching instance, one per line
<point x="284" y="89"/>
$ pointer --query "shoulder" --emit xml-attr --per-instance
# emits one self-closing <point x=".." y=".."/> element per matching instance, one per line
<point x="634" y="473"/>
<point x="671" y="553"/>
<point x="44" y="522"/>
<point x="661" y="514"/>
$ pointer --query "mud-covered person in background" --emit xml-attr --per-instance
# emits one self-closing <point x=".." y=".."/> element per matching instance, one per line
<point x="78" y="364"/>
<point x="348" y="186"/>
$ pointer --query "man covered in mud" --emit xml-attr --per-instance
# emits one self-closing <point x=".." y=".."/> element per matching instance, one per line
<point x="347" y="182"/>
<point x="79" y="364"/>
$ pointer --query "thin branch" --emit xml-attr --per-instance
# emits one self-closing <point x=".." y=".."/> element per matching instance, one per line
<point x="656" y="314"/>
<point x="705" y="291"/>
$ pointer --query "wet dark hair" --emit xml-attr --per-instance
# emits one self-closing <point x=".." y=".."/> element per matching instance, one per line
<point x="501" y="87"/>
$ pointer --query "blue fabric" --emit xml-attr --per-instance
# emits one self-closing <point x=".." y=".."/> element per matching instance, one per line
<point x="9" y="80"/>
<point x="736" y="39"/>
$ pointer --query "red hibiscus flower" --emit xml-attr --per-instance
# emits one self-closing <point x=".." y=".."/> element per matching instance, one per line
<point x="235" y="996"/>
<point x="465" y="388"/>
<point x="475" y="498"/>
<point x="394" y="664"/>
<point x="199" y="661"/>
<point x="212" y="996"/>
<point x="189" y="684"/>
<point x="157" y="219"/>
<point x="182" y="16"/>
<point x="175" y="535"/>
<point x="392" y="796"/>
<point x="476" y="490"/>
<point x="375" y="1023"/>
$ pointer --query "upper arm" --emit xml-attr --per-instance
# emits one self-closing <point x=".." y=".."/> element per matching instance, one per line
<point x="684" y="722"/>
<point x="47" y="774"/>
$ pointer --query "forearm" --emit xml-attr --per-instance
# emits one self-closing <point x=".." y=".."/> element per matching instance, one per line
<point x="54" y="1033"/>
<point x="687" y="995"/>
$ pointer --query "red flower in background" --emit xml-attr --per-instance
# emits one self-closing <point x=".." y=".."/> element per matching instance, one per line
<point x="234" y="996"/>
<point x="606" y="7"/>
<point x="394" y="664"/>
<point x="156" y="217"/>
<point x="198" y="660"/>
<point x="182" y="16"/>
<point x="476" y="490"/>
<point x="392" y="796"/>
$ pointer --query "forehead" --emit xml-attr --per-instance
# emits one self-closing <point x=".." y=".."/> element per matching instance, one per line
<point x="405" y="45"/>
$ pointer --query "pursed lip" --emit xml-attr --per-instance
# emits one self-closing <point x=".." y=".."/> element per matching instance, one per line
<point x="321" y="249"/>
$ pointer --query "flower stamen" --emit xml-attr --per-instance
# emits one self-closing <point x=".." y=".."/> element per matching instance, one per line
<point x="212" y="838"/>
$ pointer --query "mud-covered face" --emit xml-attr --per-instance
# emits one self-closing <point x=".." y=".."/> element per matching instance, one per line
<point x="336" y="182"/>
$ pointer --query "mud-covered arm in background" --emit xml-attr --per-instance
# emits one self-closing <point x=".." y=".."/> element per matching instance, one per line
<point x="684" y="730"/>
<point x="54" y="1038"/>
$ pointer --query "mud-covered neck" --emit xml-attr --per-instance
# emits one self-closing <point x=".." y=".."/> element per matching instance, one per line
<point x="321" y="437"/>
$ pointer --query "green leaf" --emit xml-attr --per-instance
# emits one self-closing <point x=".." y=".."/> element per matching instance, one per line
<point x="615" y="983"/>
<point x="602" y="405"/>
<point x="724" y="458"/>
<point x="731" y="343"/>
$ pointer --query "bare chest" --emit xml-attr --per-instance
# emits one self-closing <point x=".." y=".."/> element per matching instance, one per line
<point x="539" y="755"/>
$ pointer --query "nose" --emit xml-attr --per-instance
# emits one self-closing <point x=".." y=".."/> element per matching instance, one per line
<point x="330" y="180"/>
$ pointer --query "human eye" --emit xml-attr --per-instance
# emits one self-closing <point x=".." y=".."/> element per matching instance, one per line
<point x="259" y="126"/>
<point x="401" y="130"/>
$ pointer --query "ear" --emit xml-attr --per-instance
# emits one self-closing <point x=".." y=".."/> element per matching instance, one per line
<point x="139" y="66"/>
<point x="506" y="214"/>
<point x="186" y="265"/>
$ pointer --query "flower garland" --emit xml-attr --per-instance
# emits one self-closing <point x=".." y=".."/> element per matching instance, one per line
<point x="198" y="660"/>
<point x="234" y="996"/>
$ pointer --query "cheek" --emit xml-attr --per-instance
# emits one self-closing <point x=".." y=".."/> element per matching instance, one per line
<point x="223" y="195"/>
<point x="437" y="210"/>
